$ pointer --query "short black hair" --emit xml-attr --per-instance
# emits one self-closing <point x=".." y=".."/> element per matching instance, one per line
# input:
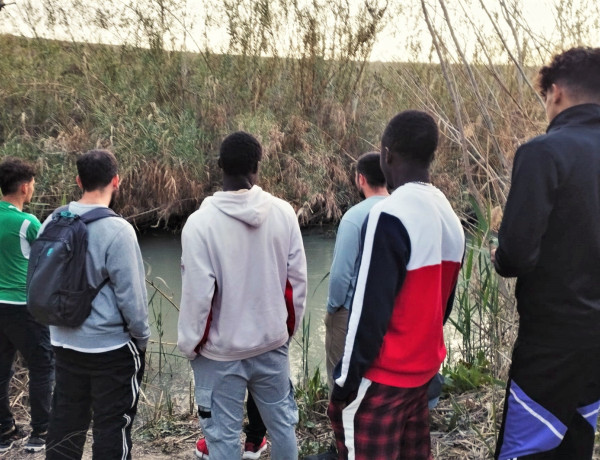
<point x="240" y="153"/>
<point x="413" y="135"/>
<point x="577" y="68"/>
<point x="96" y="169"/>
<point x="13" y="173"/>
<point x="369" y="166"/>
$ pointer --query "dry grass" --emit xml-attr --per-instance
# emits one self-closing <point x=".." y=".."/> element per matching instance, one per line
<point x="301" y="81"/>
<point x="463" y="426"/>
<point x="466" y="425"/>
<point x="155" y="192"/>
<point x="19" y="392"/>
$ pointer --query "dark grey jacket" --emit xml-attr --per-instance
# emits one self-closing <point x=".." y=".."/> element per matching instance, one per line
<point x="550" y="234"/>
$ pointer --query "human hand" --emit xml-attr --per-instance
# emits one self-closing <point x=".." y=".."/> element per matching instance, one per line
<point x="141" y="345"/>
<point x="493" y="248"/>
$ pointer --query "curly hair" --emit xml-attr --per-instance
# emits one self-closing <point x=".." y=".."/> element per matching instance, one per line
<point x="240" y="153"/>
<point x="13" y="173"/>
<point x="413" y="135"/>
<point x="578" y="69"/>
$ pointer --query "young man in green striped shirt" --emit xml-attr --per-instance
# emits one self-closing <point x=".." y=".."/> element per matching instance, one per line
<point x="18" y="330"/>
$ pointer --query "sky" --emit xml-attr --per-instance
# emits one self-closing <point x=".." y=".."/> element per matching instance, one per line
<point x="196" y="25"/>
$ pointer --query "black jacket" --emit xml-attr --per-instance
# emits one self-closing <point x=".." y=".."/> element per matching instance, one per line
<point x="550" y="234"/>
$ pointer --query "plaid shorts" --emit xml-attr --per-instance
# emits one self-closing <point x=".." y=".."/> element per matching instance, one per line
<point x="382" y="423"/>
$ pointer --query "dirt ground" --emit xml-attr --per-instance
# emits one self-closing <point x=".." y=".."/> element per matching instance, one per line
<point x="462" y="427"/>
<point x="173" y="440"/>
<point x="182" y="450"/>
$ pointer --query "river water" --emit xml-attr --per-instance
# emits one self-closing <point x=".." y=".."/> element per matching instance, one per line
<point x="162" y="252"/>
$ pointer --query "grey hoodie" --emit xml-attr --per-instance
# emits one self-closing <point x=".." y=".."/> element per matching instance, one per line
<point x="243" y="276"/>
<point x="120" y="310"/>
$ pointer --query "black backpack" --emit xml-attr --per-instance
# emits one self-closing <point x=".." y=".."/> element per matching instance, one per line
<point x="58" y="292"/>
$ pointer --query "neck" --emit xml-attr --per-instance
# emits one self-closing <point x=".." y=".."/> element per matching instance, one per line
<point x="411" y="174"/>
<point x="569" y="105"/>
<point x="368" y="192"/>
<point x="234" y="183"/>
<point x="16" y="201"/>
<point x="98" y="197"/>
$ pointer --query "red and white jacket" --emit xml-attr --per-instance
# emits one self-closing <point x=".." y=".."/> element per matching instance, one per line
<point x="413" y="250"/>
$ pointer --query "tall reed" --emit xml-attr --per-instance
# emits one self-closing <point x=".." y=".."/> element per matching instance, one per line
<point x="484" y="314"/>
<point x="166" y="369"/>
<point x="296" y="74"/>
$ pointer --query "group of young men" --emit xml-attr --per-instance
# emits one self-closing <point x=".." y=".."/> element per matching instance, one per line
<point x="396" y="264"/>
<point x="89" y="372"/>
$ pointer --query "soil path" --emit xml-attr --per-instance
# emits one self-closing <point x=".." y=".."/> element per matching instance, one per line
<point x="168" y="449"/>
<point x="139" y="452"/>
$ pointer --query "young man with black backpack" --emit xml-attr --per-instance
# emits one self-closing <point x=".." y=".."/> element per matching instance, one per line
<point x="100" y="363"/>
<point x="18" y="330"/>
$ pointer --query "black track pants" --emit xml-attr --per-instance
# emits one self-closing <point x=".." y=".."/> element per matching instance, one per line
<point x="102" y="387"/>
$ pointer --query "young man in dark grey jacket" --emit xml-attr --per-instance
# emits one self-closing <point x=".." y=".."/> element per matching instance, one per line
<point x="550" y="240"/>
<point x="99" y="365"/>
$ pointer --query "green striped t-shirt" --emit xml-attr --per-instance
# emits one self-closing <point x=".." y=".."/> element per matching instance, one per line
<point x="17" y="230"/>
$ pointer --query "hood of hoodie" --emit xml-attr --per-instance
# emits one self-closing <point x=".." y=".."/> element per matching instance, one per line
<point x="249" y="206"/>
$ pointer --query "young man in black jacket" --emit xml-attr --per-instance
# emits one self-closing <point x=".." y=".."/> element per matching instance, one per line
<point x="550" y="240"/>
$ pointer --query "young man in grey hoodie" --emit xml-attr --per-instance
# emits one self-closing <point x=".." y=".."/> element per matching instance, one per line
<point x="243" y="296"/>
<point x="99" y="365"/>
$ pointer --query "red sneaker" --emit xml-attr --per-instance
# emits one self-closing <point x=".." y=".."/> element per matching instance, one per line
<point x="202" y="449"/>
<point x="253" y="451"/>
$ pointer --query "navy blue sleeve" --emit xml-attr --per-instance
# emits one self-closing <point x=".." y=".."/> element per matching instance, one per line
<point x="450" y="303"/>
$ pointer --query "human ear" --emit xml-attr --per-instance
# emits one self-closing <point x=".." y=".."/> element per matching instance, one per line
<point x="556" y="93"/>
<point x="387" y="155"/>
<point x="360" y="179"/>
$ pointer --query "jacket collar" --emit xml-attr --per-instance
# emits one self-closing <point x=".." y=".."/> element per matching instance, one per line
<point x="576" y="115"/>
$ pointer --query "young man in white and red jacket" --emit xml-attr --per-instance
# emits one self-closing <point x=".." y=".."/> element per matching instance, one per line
<point x="413" y="249"/>
<point x="243" y="297"/>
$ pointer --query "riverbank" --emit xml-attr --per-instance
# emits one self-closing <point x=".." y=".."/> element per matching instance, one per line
<point x="462" y="427"/>
<point x="165" y="113"/>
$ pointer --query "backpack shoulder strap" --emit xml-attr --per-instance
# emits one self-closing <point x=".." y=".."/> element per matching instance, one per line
<point x="96" y="214"/>
<point x="91" y="216"/>
<point x="60" y="209"/>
